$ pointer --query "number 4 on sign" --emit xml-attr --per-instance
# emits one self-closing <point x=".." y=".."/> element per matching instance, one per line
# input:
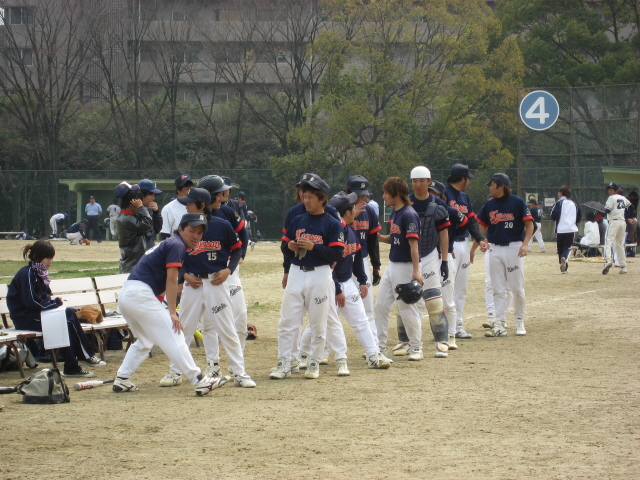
<point x="537" y="110"/>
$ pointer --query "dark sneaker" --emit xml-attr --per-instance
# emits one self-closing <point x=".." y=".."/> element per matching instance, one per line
<point x="94" y="362"/>
<point x="79" y="373"/>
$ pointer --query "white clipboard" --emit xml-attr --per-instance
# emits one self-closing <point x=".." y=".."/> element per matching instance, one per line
<point x="54" y="328"/>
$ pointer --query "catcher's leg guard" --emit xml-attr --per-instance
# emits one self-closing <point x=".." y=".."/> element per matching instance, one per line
<point x="437" y="318"/>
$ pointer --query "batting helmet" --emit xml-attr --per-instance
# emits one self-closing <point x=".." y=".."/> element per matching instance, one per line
<point x="214" y="184"/>
<point x="409" y="292"/>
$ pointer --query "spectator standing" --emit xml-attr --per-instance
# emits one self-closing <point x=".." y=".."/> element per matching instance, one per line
<point x="149" y="190"/>
<point x="93" y="211"/>
<point x="566" y="213"/>
<point x="373" y="204"/>
<point x="615" y="207"/>
<point x="537" y="214"/>
<point x="132" y="224"/>
<point x="113" y="210"/>
<point x="57" y="223"/>
<point x="173" y="211"/>
<point x="632" y="223"/>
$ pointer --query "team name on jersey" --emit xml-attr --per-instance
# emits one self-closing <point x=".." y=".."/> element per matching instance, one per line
<point x="360" y="224"/>
<point x="211" y="246"/>
<point x="314" y="238"/>
<point x="496" y="217"/>
<point x="350" y="249"/>
<point x="395" y="228"/>
<point x="460" y="208"/>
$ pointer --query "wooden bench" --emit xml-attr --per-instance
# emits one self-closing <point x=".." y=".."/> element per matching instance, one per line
<point x="576" y="250"/>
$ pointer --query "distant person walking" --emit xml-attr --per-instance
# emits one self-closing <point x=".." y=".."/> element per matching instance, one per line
<point x="113" y="210"/>
<point x="536" y="213"/>
<point x="93" y="211"/>
<point x="615" y="208"/>
<point x="566" y="213"/>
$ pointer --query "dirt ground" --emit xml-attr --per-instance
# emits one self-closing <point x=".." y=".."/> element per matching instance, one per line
<point x="561" y="402"/>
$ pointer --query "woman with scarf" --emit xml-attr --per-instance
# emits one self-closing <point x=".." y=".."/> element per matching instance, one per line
<point x="29" y="294"/>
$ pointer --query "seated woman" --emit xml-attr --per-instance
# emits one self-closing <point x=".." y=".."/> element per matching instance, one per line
<point x="29" y="294"/>
<point x="591" y="236"/>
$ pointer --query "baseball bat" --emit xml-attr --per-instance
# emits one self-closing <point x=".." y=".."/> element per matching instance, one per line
<point x="90" y="384"/>
<point x="4" y="390"/>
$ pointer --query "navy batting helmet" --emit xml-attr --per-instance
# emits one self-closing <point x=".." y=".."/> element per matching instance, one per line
<point x="409" y="292"/>
<point x="213" y="183"/>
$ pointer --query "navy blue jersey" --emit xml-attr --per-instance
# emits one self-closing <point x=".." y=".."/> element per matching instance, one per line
<point x="239" y="225"/>
<point x="403" y="225"/>
<point x="324" y="231"/>
<point x="460" y="201"/>
<point x="458" y="221"/>
<point x="536" y="213"/>
<point x="152" y="267"/>
<point x="366" y="224"/>
<point x="345" y="267"/>
<point x="76" y="227"/>
<point x="213" y="252"/>
<point x="505" y="219"/>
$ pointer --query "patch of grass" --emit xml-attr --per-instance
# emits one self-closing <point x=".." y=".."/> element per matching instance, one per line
<point x="62" y="269"/>
<point x="252" y="268"/>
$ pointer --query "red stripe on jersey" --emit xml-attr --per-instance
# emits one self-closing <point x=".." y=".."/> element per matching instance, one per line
<point x="527" y="218"/>
<point x="359" y="247"/>
<point x="285" y="239"/>
<point x="160" y="298"/>
<point x="126" y="212"/>
<point x="237" y="245"/>
<point x="445" y="225"/>
<point x="471" y="215"/>
<point x="412" y="235"/>
<point x="463" y="222"/>
<point x="482" y="223"/>
<point x="284" y="230"/>
<point x="336" y="244"/>
<point x="176" y="264"/>
<point x="240" y="226"/>
<point x="375" y="230"/>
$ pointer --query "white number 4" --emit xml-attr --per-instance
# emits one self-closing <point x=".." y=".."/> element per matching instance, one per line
<point x="541" y="114"/>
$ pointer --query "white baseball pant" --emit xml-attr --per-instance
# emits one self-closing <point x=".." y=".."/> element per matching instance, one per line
<point x="54" y="226"/>
<point x="151" y="324"/>
<point x="336" y="340"/>
<point x="211" y="304"/>
<point x="112" y="228"/>
<point x="396" y="274"/>
<point x="460" y="268"/>
<point x="312" y="292"/>
<point x="507" y="270"/>
<point x="615" y="235"/>
<point x="538" y="236"/>
<point x="238" y="309"/>
<point x="74" y="237"/>
<point x="488" y="289"/>
<point x="368" y="302"/>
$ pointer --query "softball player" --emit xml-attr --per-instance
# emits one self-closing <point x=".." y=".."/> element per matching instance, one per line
<point x="216" y="186"/>
<point x="566" y="213"/>
<point x="313" y="242"/>
<point x="349" y="294"/>
<point x="173" y="211"/>
<point x="615" y="208"/>
<point x="57" y="220"/>
<point x="537" y="214"/>
<point x="509" y="225"/>
<point x="205" y="296"/>
<point x="366" y="226"/>
<point x="458" y="181"/>
<point x="150" y="320"/>
<point x="404" y="266"/>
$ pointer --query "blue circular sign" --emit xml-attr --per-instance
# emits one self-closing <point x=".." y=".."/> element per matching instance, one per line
<point x="539" y="110"/>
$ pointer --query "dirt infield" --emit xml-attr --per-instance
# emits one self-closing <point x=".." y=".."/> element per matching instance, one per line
<point x="561" y="402"/>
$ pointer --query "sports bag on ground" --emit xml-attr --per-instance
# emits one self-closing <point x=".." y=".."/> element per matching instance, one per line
<point x="46" y="386"/>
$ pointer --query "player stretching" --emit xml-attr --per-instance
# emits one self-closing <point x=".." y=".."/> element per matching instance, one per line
<point x="153" y="322"/>
<point x="615" y="208"/>
<point x="313" y="242"/>
<point x="509" y="225"/>
<point x="404" y="266"/>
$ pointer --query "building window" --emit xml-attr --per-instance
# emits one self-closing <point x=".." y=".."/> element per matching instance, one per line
<point x="21" y="57"/>
<point x="20" y="15"/>
<point x="228" y="15"/>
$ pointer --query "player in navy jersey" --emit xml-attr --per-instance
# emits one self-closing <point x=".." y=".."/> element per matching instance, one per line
<point x="219" y="190"/>
<point x="349" y="293"/>
<point x="537" y="214"/>
<point x="458" y="181"/>
<point x="205" y="296"/>
<point x="509" y="226"/>
<point x="367" y="226"/>
<point x="313" y="242"/>
<point x="153" y="322"/>
<point x="403" y="267"/>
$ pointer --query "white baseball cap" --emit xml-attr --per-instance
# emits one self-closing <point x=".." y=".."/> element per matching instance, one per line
<point x="420" y="172"/>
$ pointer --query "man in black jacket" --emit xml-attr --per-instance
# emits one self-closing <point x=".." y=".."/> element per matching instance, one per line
<point x="133" y="224"/>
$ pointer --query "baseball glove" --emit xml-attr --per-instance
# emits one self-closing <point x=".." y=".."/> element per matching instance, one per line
<point x="90" y="314"/>
<point x="86" y="241"/>
<point x="252" y="331"/>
